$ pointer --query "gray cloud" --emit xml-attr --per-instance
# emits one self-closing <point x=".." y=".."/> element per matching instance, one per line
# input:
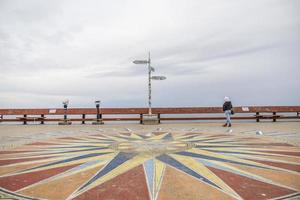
<point x="83" y="50"/>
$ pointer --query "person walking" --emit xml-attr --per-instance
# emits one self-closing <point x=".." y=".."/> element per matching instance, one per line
<point x="227" y="106"/>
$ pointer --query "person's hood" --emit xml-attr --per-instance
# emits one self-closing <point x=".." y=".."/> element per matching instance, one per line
<point x="226" y="99"/>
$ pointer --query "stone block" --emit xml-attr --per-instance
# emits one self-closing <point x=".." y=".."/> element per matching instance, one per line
<point x="150" y="119"/>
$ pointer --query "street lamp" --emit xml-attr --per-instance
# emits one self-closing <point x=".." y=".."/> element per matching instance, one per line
<point x="99" y="116"/>
<point x="65" y="121"/>
<point x="65" y="103"/>
<point x="150" y="70"/>
<point x="98" y="111"/>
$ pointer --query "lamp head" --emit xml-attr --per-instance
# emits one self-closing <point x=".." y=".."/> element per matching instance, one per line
<point x="97" y="103"/>
<point x="66" y="102"/>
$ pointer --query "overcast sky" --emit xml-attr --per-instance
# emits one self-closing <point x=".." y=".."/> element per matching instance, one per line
<point x="82" y="50"/>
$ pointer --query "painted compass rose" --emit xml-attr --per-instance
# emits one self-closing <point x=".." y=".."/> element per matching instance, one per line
<point x="160" y="165"/>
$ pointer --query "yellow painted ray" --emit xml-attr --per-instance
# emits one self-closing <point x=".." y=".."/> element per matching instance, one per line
<point x="258" y="150"/>
<point x="135" y="136"/>
<point x="2" y="168"/>
<point x="159" y="169"/>
<point x="65" y="174"/>
<point x="78" y="153"/>
<point x="251" y="151"/>
<point x="8" y="170"/>
<point x="186" y="137"/>
<point x="120" y="169"/>
<point x="269" y="158"/>
<point x="81" y="161"/>
<point x="235" y="159"/>
<point x="205" y="172"/>
<point x="217" y="145"/>
<point x="117" y="139"/>
<point x="28" y="155"/>
<point x="84" y="142"/>
<point x="248" y="174"/>
<point x="98" y="137"/>
<point x="70" y="150"/>
<point x="158" y="137"/>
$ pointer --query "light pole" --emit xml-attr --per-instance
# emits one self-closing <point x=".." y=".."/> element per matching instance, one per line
<point x="65" y="121"/>
<point x="150" y="70"/>
<point x="65" y="104"/>
<point x="99" y="116"/>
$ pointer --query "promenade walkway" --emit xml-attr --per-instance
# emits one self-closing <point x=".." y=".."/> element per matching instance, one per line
<point x="168" y="161"/>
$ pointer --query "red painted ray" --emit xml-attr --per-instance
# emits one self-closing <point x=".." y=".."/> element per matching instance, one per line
<point x="280" y="165"/>
<point x="267" y="144"/>
<point x="158" y="133"/>
<point x="127" y="134"/>
<point x="193" y="134"/>
<point x="13" y="161"/>
<point x="41" y="143"/>
<point x="249" y="188"/>
<point x="290" y="153"/>
<point x="12" y="152"/>
<point x="130" y="185"/>
<point x="70" y="138"/>
<point x="220" y="135"/>
<point x="17" y="182"/>
<point x="98" y="135"/>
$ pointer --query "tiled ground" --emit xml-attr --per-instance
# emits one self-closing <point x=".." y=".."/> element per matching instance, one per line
<point x="157" y="164"/>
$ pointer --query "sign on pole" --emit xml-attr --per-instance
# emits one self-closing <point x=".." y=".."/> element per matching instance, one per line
<point x="158" y="78"/>
<point x="141" y="62"/>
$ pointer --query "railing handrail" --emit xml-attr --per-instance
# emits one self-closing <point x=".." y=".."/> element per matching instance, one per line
<point x="163" y="110"/>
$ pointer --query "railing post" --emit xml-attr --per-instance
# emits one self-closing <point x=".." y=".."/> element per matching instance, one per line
<point x="274" y="118"/>
<point x="42" y="120"/>
<point x="141" y="118"/>
<point x="158" y="115"/>
<point x="25" y="120"/>
<point x="257" y="116"/>
<point x="83" y="119"/>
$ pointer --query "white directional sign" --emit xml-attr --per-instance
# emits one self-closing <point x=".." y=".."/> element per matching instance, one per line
<point x="150" y="77"/>
<point x="141" y="62"/>
<point x="158" y="78"/>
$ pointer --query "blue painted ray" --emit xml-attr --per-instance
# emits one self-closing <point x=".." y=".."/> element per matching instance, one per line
<point x="80" y="150"/>
<point x="115" y="162"/>
<point x="68" y="160"/>
<point x="168" y="137"/>
<point x="71" y="147"/>
<point x="233" y="152"/>
<point x="176" y="164"/>
<point x="202" y="156"/>
<point x="240" y="172"/>
<point x="149" y="171"/>
<point x="218" y="146"/>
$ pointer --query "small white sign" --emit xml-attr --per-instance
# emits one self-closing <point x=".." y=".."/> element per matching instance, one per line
<point x="245" y="109"/>
<point x="52" y="111"/>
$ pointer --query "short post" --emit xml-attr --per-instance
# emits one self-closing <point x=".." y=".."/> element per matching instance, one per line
<point x="274" y="116"/>
<point x="42" y="118"/>
<point x="141" y="118"/>
<point x="65" y="121"/>
<point x="25" y="120"/>
<point x="158" y="115"/>
<point x="99" y="116"/>
<point x="257" y="116"/>
<point x="83" y="119"/>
